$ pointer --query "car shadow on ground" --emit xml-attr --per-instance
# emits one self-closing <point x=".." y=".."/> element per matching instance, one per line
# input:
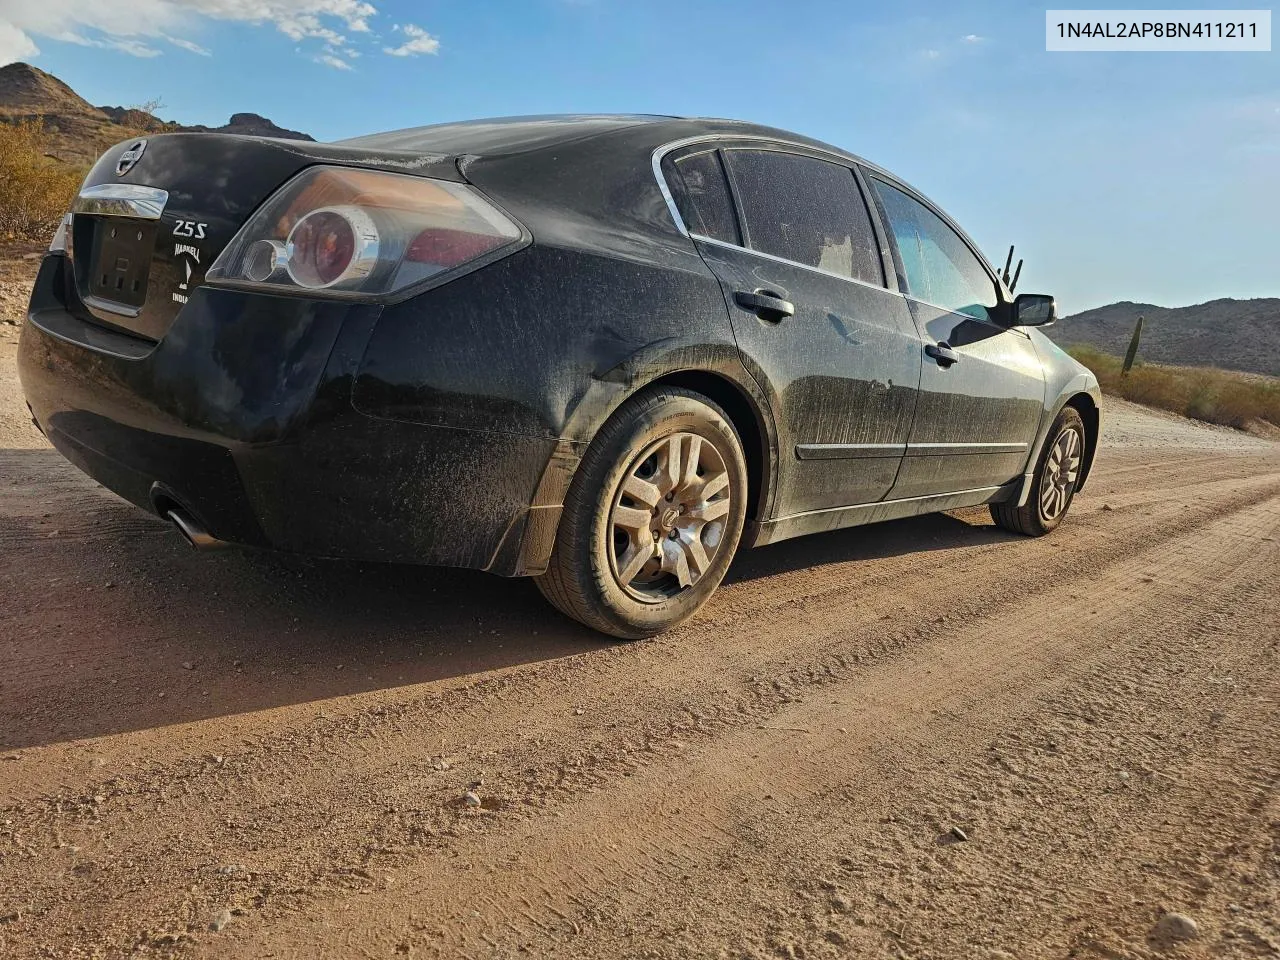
<point x="111" y="623"/>
<point x="935" y="531"/>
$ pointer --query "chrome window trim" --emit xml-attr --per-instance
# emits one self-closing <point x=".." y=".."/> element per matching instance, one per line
<point x="122" y="200"/>
<point x="748" y="137"/>
<point x="662" y="182"/>
<point x="877" y="171"/>
<point x="872" y="169"/>
<point x="795" y="263"/>
<point x="660" y="152"/>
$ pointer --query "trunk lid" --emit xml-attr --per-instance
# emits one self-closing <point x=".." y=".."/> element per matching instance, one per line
<point x="154" y="213"/>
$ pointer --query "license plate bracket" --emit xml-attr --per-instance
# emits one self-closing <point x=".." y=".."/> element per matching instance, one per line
<point x="122" y="261"/>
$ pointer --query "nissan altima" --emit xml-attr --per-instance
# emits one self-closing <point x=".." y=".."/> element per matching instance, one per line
<point x="606" y="352"/>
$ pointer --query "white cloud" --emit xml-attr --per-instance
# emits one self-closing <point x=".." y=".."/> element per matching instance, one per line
<point x="308" y="25"/>
<point x="14" y="44"/>
<point x="132" y="26"/>
<point x="946" y="52"/>
<point x="303" y="17"/>
<point x="189" y="46"/>
<point x="135" y="48"/>
<point x="329" y="60"/>
<point x="419" y="42"/>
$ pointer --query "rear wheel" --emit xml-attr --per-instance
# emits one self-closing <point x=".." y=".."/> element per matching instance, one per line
<point x="1054" y="485"/>
<point x="652" y="518"/>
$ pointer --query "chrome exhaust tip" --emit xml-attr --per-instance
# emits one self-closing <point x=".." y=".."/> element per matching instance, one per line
<point x="196" y="535"/>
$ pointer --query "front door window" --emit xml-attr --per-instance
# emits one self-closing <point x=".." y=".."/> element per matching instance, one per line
<point x="939" y="267"/>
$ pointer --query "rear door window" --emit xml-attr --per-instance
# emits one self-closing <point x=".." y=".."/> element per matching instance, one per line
<point x="703" y="198"/>
<point x="939" y="267"/>
<point x="807" y="210"/>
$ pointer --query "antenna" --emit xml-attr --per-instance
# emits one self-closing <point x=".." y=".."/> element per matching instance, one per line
<point x="1016" y="273"/>
<point x="1004" y="278"/>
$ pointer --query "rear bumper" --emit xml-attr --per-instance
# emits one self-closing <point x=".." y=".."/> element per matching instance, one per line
<point x="242" y="416"/>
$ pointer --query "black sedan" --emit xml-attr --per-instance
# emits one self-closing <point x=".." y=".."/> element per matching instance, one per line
<point x="602" y="351"/>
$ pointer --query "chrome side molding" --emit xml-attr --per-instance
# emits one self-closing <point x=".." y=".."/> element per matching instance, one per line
<point x="122" y="200"/>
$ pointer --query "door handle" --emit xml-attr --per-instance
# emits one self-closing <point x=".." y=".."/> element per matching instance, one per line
<point x="942" y="352"/>
<point x="765" y="305"/>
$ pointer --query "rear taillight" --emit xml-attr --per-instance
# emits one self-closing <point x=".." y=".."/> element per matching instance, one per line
<point x="447" y="248"/>
<point x="332" y="246"/>
<point x="348" y="232"/>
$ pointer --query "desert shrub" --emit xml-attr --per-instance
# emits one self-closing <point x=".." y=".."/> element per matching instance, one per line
<point x="35" y="191"/>
<point x="1203" y="393"/>
<point x="1156" y="387"/>
<point x="1238" y="403"/>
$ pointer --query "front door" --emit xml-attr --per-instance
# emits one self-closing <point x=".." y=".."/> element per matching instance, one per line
<point x="982" y="385"/>
<point x="803" y="278"/>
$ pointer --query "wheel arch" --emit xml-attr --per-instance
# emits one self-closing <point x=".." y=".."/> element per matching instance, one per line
<point x="1085" y="405"/>
<point x="1080" y="393"/>
<point x="713" y="370"/>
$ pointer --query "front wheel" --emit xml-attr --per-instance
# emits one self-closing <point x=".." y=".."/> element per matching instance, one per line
<point x="1054" y="484"/>
<point x="652" y="518"/>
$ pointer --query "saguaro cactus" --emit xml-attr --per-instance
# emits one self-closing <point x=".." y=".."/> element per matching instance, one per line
<point x="1132" y="353"/>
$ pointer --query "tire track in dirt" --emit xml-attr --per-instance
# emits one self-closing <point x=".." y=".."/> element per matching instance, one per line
<point x="321" y="804"/>
<point x="665" y="823"/>
<point x="880" y="590"/>
<point x="955" y="904"/>
<point x="791" y="589"/>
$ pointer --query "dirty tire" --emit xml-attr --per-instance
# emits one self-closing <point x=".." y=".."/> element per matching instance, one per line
<point x="581" y="581"/>
<point x="1035" y="518"/>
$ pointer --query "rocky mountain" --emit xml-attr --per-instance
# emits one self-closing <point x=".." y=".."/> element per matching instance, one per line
<point x="28" y="89"/>
<point x="1233" y="334"/>
<point x="79" y="131"/>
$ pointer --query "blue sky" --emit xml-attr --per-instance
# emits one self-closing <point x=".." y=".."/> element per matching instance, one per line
<point x="1120" y="176"/>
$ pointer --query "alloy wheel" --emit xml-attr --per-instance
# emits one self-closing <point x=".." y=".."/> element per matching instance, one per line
<point x="1061" y="471"/>
<point x="668" y="517"/>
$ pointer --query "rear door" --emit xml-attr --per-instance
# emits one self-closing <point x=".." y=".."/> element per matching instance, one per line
<point x="982" y="386"/>
<point x="791" y="239"/>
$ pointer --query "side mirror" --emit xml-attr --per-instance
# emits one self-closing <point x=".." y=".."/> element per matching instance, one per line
<point x="1034" y="310"/>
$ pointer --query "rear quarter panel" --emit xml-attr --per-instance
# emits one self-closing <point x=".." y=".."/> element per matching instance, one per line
<point x="548" y="341"/>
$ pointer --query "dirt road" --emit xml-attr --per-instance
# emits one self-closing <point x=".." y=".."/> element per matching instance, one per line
<point x="924" y="739"/>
